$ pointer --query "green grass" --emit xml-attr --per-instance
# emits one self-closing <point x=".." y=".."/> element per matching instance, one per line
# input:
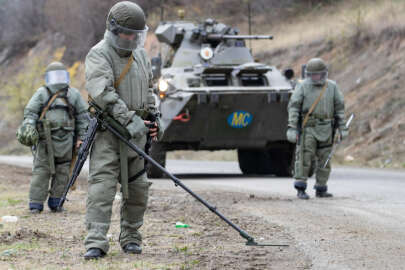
<point x="8" y="251"/>
<point x="10" y="202"/>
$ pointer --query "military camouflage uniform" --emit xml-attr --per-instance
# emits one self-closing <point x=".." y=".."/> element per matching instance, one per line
<point x="68" y="122"/>
<point x="317" y="134"/>
<point x="103" y="66"/>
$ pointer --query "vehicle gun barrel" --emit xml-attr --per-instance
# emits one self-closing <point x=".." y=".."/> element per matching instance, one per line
<point x="222" y="37"/>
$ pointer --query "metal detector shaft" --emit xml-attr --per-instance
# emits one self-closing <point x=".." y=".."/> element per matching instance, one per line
<point x="336" y="142"/>
<point x="81" y="158"/>
<point x="139" y="151"/>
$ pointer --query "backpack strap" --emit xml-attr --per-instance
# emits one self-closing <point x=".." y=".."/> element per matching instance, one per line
<point x="52" y="97"/>
<point x="50" y="101"/>
<point x="71" y="109"/>
<point x="124" y="71"/>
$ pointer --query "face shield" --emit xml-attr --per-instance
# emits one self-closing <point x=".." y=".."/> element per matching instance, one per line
<point x="57" y="77"/>
<point x="317" y="78"/>
<point x="125" y="38"/>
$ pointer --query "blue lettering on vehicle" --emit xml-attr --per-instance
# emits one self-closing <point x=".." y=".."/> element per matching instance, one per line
<point x="239" y="119"/>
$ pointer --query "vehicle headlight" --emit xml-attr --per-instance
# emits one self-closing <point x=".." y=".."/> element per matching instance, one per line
<point x="163" y="86"/>
<point x="206" y="53"/>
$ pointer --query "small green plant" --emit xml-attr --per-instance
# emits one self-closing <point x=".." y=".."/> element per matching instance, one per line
<point x="13" y="202"/>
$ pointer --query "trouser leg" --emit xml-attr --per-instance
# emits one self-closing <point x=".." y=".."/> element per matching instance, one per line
<point x="58" y="183"/>
<point x="301" y="176"/>
<point x="100" y="199"/>
<point x="322" y="174"/>
<point x="103" y="178"/>
<point x="132" y="211"/>
<point x="40" y="178"/>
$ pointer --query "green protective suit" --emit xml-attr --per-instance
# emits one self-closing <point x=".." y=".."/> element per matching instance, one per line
<point x="317" y="135"/>
<point x="103" y="67"/>
<point x="66" y="125"/>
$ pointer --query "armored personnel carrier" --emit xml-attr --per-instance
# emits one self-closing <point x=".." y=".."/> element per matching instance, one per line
<point x="213" y="95"/>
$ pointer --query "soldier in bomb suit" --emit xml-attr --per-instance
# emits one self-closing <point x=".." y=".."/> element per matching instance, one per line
<point x="315" y="112"/>
<point x="55" y="122"/>
<point x="119" y="81"/>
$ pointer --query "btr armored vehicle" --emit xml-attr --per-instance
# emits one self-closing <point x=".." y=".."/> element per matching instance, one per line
<point x="213" y="95"/>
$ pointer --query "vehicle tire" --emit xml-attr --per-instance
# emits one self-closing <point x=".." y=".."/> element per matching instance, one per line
<point x="281" y="162"/>
<point x="158" y="153"/>
<point x="247" y="161"/>
<point x="253" y="161"/>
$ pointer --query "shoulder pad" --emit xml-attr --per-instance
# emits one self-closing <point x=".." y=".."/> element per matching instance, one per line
<point x="331" y="82"/>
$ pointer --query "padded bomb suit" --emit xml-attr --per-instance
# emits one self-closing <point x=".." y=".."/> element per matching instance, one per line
<point x="65" y="127"/>
<point x="103" y="66"/>
<point x="318" y="131"/>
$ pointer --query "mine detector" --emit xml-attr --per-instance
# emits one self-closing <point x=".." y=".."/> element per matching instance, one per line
<point x="213" y="95"/>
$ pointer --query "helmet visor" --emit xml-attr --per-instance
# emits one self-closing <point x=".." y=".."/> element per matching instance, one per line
<point x="127" y="39"/>
<point x="57" y="77"/>
<point x="318" y="77"/>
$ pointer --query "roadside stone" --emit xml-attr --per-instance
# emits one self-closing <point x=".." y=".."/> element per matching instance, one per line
<point x="9" y="219"/>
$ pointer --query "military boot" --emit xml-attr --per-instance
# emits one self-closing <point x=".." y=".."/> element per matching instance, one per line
<point x="36" y="208"/>
<point x="301" y="194"/>
<point x="35" y="211"/>
<point x="322" y="192"/>
<point x="94" y="253"/>
<point x="132" y="248"/>
<point x="53" y="204"/>
<point x="301" y="186"/>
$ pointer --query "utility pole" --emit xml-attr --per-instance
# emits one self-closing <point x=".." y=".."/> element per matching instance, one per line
<point x="162" y="10"/>
<point x="250" y="24"/>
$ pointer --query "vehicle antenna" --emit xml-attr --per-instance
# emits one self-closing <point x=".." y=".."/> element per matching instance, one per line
<point x="250" y="25"/>
<point x="162" y="11"/>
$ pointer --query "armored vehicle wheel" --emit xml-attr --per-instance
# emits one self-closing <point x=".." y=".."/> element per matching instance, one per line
<point x="253" y="161"/>
<point x="158" y="153"/>
<point x="281" y="162"/>
<point x="247" y="160"/>
<point x="277" y="162"/>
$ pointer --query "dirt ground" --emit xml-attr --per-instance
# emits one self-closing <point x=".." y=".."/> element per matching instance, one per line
<point x="55" y="241"/>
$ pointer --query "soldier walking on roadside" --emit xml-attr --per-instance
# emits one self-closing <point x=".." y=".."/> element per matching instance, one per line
<point x="118" y="80"/>
<point x="54" y="123"/>
<point x="315" y="112"/>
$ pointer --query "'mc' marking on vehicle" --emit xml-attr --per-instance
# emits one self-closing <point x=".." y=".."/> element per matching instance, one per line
<point x="239" y="119"/>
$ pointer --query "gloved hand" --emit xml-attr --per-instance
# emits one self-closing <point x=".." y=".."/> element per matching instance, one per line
<point x="27" y="135"/>
<point x="137" y="128"/>
<point x="343" y="132"/>
<point x="160" y="128"/>
<point x="292" y="134"/>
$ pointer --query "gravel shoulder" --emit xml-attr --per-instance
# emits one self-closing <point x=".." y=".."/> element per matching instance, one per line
<point x="55" y="241"/>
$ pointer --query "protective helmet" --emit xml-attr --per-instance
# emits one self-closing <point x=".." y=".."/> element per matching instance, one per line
<point x="316" y="71"/>
<point x="126" y="26"/>
<point x="56" y="76"/>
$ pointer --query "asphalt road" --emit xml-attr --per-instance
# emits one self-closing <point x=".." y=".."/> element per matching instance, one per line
<point x="362" y="227"/>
